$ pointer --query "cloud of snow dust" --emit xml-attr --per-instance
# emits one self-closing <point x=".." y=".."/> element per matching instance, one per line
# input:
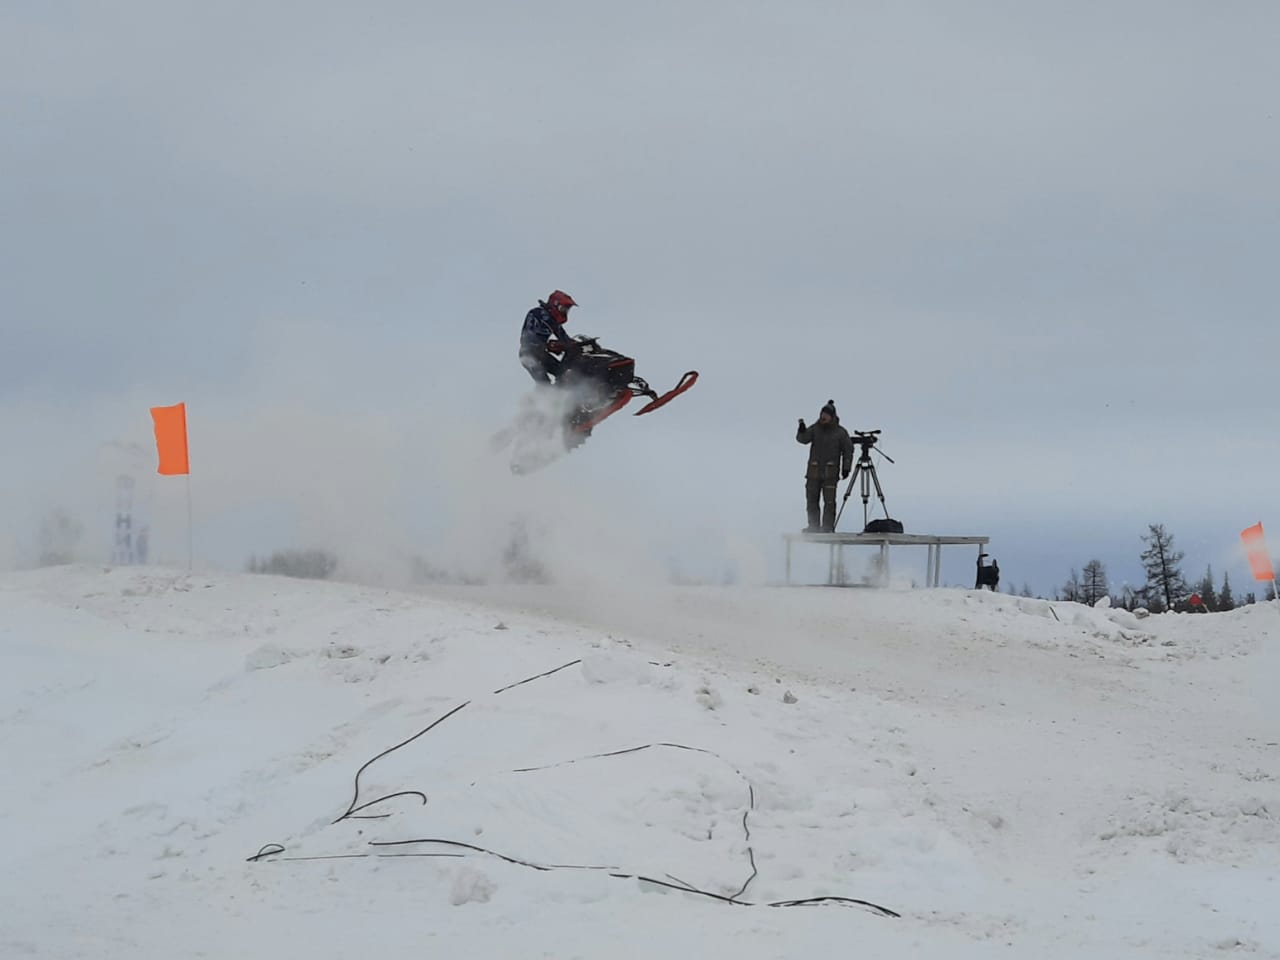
<point x="399" y="480"/>
<point x="262" y="480"/>
<point x="552" y="524"/>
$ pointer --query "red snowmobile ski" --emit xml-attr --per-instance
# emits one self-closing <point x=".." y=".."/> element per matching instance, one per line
<point x="595" y="383"/>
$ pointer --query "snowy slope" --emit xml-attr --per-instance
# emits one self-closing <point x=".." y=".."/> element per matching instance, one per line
<point x="1000" y="772"/>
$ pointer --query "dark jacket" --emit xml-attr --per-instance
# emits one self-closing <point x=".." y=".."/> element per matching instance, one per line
<point x="539" y="327"/>
<point x="830" y="451"/>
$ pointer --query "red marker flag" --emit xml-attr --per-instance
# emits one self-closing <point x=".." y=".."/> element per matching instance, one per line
<point x="171" y="439"/>
<point x="1256" y="547"/>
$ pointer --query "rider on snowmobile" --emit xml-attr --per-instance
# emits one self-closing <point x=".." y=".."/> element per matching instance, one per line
<point x="599" y="383"/>
<point x="541" y="337"/>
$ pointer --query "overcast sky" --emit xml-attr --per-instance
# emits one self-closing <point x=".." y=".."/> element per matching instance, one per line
<point x="1036" y="243"/>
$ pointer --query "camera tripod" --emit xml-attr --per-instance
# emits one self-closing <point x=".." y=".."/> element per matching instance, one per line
<point x="864" y="473"/>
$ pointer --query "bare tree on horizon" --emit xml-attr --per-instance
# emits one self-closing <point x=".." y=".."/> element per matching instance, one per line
<point x="1163" y="566"/>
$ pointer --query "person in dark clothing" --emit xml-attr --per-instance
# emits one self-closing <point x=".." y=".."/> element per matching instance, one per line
<point x="988" y="574"/>
<point x="830" y="457"/>
<point x="541" y="337"/>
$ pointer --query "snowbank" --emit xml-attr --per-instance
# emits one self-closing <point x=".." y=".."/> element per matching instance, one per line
<point x="1070" y="781"/>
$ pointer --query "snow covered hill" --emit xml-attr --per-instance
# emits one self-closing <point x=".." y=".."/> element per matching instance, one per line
<point x="1011" y="777"/>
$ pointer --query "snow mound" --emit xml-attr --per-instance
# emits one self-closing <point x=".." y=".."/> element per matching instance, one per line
<point x="245" y="763"/>
<point x="616" y="668"/>
<point x="1238" y="828"/>
<point x="471" y="886"/>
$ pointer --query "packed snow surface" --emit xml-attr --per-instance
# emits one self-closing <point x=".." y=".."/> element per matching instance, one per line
<point x="1010" y="777"/>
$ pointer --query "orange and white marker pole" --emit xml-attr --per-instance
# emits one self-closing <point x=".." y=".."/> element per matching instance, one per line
<point x="175" y="458"/>
<point x="1255" y="545"/>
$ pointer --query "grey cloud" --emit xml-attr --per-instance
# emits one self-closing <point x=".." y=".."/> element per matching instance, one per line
<point x="1037" y="238"/>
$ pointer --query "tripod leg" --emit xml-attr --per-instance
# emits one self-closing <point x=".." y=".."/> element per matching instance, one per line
<point x="879" y="490"/>
<point x="847" y="491"/>
<point x="868" y="473"/>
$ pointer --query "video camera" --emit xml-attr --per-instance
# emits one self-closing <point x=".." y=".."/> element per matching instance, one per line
<point x="866" y="438"/>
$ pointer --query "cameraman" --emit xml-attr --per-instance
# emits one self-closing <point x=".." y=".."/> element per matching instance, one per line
<point x="830" y="457"/>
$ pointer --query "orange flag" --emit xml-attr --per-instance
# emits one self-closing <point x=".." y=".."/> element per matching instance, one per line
<point x="1256" y="547"/>
<point x="171" y="438"/>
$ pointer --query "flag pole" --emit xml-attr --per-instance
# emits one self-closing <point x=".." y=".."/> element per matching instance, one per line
<point x="171" y="445"/>
<point x="190" y="527"/>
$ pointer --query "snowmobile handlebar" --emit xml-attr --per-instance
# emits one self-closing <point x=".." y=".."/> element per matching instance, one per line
<point x="568" y="346"/>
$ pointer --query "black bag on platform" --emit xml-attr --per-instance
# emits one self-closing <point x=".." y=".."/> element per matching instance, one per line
<point x="884" y="526"/>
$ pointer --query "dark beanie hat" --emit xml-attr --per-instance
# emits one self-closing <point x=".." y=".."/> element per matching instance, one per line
<point x="830" y="408"/>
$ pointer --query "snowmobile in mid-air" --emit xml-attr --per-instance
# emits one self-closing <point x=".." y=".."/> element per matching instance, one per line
<point x="594" y="384"/>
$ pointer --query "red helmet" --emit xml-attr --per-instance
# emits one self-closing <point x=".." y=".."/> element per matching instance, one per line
<point x="559" y="303"/>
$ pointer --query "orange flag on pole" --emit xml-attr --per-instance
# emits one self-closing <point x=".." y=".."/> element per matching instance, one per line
<point x="1256" y="547"/>
<point x="171" y="439"/>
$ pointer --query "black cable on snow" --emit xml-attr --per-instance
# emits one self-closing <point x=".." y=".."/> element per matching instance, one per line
<point x="751" y="854"/>
<point x="268" y="850"/>
<point x="680" y="885"/>
<point x="273" y="850"/>
<point x="751" y="792"/>
<point x="814" y="900"/>
<point x="543" y="867"/>
<point x="618" y="753"/>
<point x="382" y="816"/>
<point x="536" y="677"/>
<point x="353" y="808"/>
<point x="751" y="857"/>
<point x="684" y="883"/>
<point x="261" y="855"/>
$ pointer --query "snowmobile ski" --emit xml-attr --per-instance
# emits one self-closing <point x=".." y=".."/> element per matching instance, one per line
<point x="687" y="381"/>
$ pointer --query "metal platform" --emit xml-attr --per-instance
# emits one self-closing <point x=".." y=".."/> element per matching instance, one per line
<point x="836" y="542"/>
